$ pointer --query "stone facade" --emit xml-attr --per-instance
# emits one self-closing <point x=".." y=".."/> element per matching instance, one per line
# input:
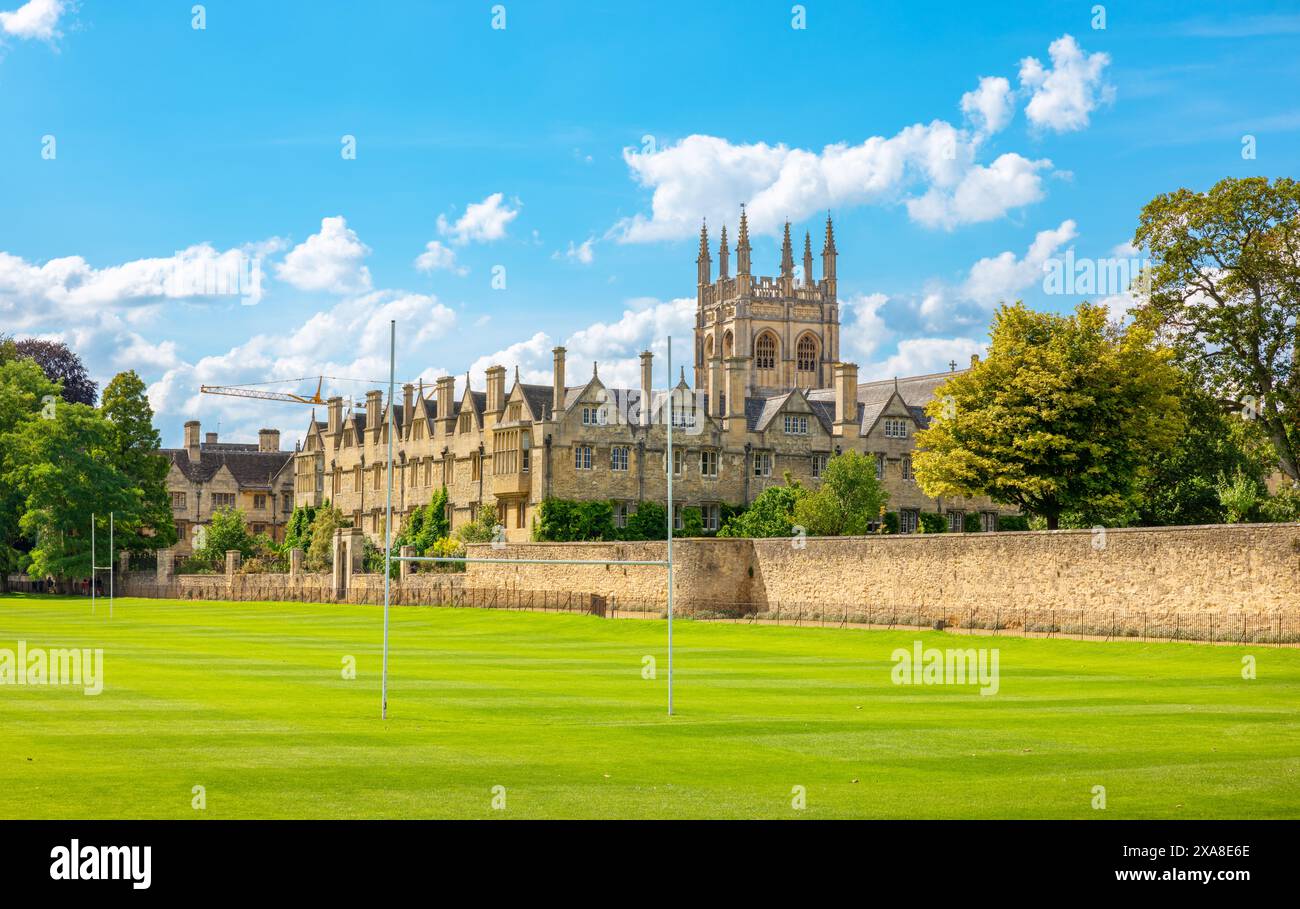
<point x="207" y="475"/>
<point x="770" y="397"/>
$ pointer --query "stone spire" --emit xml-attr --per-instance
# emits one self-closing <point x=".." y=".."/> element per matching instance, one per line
<point x="742" y="245"/>
<point x="723" y="265"/>
<point x="828" y="257"/>
<point x="807" y="260"/>
<point x="787" y="254"/>
<point x="703" y="262"/>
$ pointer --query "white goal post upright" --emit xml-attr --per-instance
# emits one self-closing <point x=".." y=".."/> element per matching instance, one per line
<point x="94" y="568"/>
<point x="389" y="558"/>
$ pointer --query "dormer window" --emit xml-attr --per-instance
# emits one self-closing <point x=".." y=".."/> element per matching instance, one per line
<point x="796" y="425"/>
<point x="895" y="428"/>
<point x="594" y="416"/>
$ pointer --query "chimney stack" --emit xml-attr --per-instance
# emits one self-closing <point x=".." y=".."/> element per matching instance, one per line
<point x="647" y="386"/>
<point x="268" y="440"/>
<point x="192" y="440"/>
<point x="408" y="407"/>
<point x="446" y="391"/>
<point x="496" y="389"/>
<point x="715" y="388"/>
<point x="334" y="415"/>
<point x="557" y="391"/>
<point x="846" y="398"/>
<point x="374" y="412"/>
<point x="210" y="438"/>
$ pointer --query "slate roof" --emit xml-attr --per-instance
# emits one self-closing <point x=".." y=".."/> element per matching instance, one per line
<point x="538" y="398"/>
<point x="251" y="468"/>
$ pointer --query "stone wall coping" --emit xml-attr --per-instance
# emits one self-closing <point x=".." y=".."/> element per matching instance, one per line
<point x="901" y="537"/>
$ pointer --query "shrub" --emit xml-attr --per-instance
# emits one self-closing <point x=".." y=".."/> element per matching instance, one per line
<point x="771" y="514"/>
<point x="971" y="523"/>
<point x="692" y="522"/>
<point x="932" y="522"/>
<point x="566" y="520"/>
<point x="1013" y="522"/>
<point x="484" y="527"/>
<point x="650" y="522"/>
<point x="225" y="532"/>
<point x="320" y="557"/>
<point x="891" y="522"/>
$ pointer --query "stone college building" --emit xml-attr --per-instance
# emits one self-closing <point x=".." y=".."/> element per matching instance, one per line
<point x="769" y="396"/>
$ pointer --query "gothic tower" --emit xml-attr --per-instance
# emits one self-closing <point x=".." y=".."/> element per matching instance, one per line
<point x="781" y="333"/>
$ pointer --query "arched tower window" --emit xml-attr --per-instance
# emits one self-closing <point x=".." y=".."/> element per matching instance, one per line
<point x="708" y="348"/>
<point x="765" y="351"/>
<point x="728" y="346"/>
<point x="806" y="354"/>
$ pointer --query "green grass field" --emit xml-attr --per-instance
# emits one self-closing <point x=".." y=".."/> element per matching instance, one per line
<point x="248" y="700"/>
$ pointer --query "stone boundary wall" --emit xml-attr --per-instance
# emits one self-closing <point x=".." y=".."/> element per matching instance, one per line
<point x="1213" y="582"/>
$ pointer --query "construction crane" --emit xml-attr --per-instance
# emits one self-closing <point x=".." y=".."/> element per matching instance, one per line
<point x="251" y="390"/>
<point x="248" y="391"/>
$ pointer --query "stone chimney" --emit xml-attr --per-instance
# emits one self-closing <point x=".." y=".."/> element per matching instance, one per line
<point x="210" y="438"/>
<point x="374" y="412"/>
<point x="268" y="440"/>
<point x="446" y="391"/>
<point x="408" y="410"/>
<point x="557" y="382"/>
<point x="192" y="439"/>
<point x="647" y="386"/>
<point x="846" y="398"/>
<point x="496" y="389"/>
<point x="334" y="415"/>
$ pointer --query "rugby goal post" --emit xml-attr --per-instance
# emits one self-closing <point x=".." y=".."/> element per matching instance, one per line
<point x="389" y="558"/>
<point x="94" y="569"/>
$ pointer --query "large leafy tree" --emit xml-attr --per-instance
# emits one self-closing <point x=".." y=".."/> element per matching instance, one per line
<point x="25" y="393"/>
<point x="1224" y="281"/>
<point x="850" y="498"/>
<point x="771" y="514"/>
<point x="126" y="406"/>
<point x="1063" y="415"/>
<point x="64" y="469"/>
<point x="60" y="364"/>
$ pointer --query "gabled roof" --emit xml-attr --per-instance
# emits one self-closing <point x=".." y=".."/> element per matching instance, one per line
<point x="251" y="468"/>
<point x="538" y="398"/>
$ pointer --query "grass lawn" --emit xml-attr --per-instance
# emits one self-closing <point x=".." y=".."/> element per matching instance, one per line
<point x="249" y="701"/>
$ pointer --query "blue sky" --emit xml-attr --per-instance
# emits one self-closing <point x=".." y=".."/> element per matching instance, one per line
<point x="574" y="152"/>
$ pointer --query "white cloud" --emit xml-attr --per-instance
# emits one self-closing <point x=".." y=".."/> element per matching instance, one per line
<point x="34" y="19"/>
<point x="332" y="260"/>
<point x="984" y="193"/>
<point x="615" y="346"/>
<point x="581" y="253"/>
<point x="991" y="106"/>
<point x="482" y="222"/>
<point x="1064" y="94"/>
<point x="1001" y="278"/>
<point x="351" y="340"/>
<point x="921" y="356"/>
<point x="931" y="168"/>
<point x="437" y="257"/>
<point x="862" y="328"/>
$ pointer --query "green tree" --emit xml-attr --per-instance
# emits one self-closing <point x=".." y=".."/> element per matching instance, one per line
<point x="771" y="514"/>
<point x="483" y="529"/>
<point x="320" y="557"/>
<point x="1063" y="415"/>
<point x="649" y="522"/>
<point x="1181" y="485"/>
<point x="25" y="393"/>
<point x="297" y="533"/>
<point x="226" y="531"/>
<point x="1239" y="496"/>
<point x="566" y="520"/>
<point x="64" y="470"/>
<point x="1225" y="283"/>
<point x="126" y="406"/>
<point x="850" y="498"/>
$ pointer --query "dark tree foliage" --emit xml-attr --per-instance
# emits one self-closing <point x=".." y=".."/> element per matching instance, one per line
<point x="61" y="364"/>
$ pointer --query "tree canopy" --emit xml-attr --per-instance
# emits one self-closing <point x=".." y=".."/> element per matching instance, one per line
<point x="1224" y="282"/>
<point x="1064" y="414"/>
<point x="849" y="499"/>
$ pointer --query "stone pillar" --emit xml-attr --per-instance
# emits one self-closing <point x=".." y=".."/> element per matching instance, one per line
<point x="295" y="562"/>
<point x="404" y="568"/>
<point x="166" y="565"/>
<point x="349" y="557"/>
<point x="123" y="563"/>
<point x="339" y="574"/>
<point x="233" y="558"/>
